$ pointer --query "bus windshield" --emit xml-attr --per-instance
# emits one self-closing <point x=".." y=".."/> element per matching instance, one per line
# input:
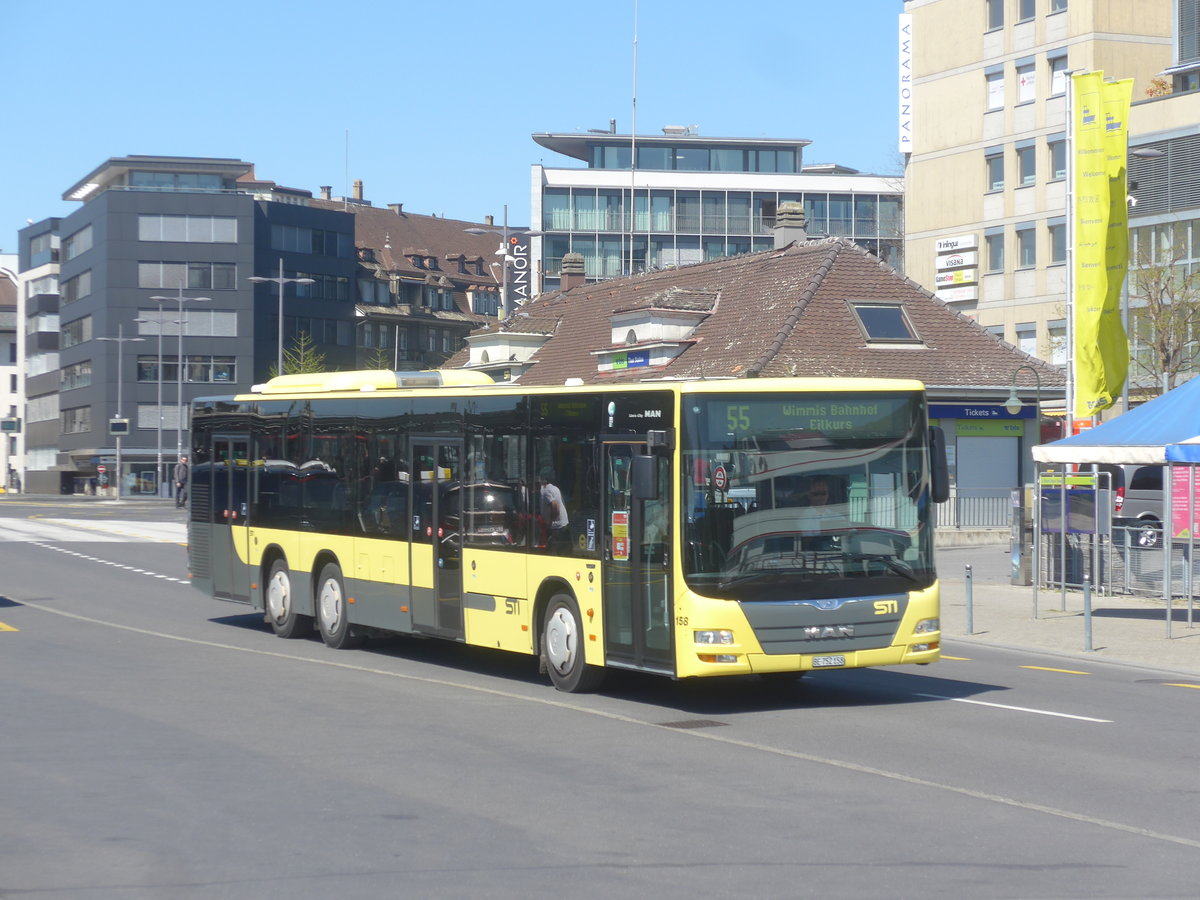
<point x="801" y="496"/>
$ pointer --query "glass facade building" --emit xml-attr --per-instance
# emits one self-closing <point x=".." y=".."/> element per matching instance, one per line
<point x="695" y="199"/>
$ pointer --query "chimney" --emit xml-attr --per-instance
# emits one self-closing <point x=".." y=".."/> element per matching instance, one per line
<point x="397" y="208"/>
<point x="789" y="224"/>
<point x="488" y="220"/>
<point x="326" y="192"/>
<point x="358" y="191"/>
<point x="612" y="126"/>
<point x="572" y="272"/>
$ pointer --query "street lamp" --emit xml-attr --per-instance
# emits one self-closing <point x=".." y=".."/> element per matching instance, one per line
<point x="1013" y="404"/>
<point x="118" y="429"/>
<point x="180" y="299"/>
<point x="281" y="281"/>
<point x="158" y="466"/>
<point x="503" y="254"/>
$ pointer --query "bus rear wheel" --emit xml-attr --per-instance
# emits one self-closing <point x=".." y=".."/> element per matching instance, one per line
<point x="563" y="648"/>
<point x="333" y="615"/>
<point x="280" y="604"/>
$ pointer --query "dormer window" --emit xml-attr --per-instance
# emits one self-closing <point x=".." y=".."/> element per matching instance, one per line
<point x="885" y="323"/>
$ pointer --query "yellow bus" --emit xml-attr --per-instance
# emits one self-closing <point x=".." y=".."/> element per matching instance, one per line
<point x="683" y="528"/>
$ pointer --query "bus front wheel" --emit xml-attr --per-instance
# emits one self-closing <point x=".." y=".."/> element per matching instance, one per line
<point x="563" y="647"/>
<point x="333" y="616"/>
<point x="281" y="606"/>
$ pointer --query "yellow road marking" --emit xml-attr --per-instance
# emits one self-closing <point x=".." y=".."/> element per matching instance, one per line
<point x="4" y="627"/>
<point x="957" y="658"/>
<point x="1180" y="684"/>
<point x="1048" y="669"/>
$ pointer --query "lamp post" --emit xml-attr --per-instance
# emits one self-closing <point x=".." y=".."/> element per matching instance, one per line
<point x="119" y="340"/>
<point x="281" y="281"/>
<point x="158" y="448"/>
<point x="1013" y="404"/>
<point x="503" y="254"/>
<point x="180" y="299"/>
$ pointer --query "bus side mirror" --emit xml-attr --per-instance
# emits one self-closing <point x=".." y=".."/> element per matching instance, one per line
<point x="939" y="471"/>
<point x="643" y="477"/>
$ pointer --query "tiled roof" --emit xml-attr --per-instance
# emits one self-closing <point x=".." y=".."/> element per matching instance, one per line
<point x="394" y="237"/>
<point x="783" y="312"/>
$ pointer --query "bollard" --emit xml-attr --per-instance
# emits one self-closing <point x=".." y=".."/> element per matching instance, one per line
<point x="970" y="603"/>
<point x="1087" y="614"/>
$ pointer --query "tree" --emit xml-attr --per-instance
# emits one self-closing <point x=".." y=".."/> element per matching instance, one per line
<point x="380" y="358"/>
<point x="1164" y="296"/>
<point x="302" y="358"/>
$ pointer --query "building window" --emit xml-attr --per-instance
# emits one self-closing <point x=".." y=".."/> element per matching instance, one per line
<point x="1188" y="28"/>
<point x="1026" y="245"/>
<point x="1026" y="82"/>
<point x="994" y="244"/>
<point x="312" y="240"/>
<point x="1058" y="6"/>
<point x="1058" y="240"/>
<point x="1026" y="164"/>
<point x="1058" y="75"/>
<point x="885" y="322"/>
<point x="75" y="332"/>
<point x="76" y="376"/>
<point x="995" y="14"/>
<point x="1058" y="158"/>
<point x="1026" y="10"/>
<point x="188" y="229"/>
<point x="77" y="420"/>
<point x="79" y="242"/>
<point x="1057" y="333"/>
<point x="994" y="160"/>
<point x="995" y="90"/>
<point x="194" y="276"/>
<point x="77" y="288"/>
<point x="1027" y="337"/>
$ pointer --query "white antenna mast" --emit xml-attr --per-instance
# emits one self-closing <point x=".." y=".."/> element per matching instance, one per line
<point x="633" y="140"/>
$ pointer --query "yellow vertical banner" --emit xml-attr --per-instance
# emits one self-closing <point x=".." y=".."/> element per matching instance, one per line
<point x="1101" y="244"/>
<point x="1114" y="343"/>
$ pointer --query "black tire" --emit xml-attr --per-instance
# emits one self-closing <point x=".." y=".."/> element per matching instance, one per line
<point x="280" y="606"/>
<point x="333" y="613"/>
<point x="563" y="648"/>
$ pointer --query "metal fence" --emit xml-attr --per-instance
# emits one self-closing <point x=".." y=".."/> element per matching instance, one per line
<point x="979" y="508"/>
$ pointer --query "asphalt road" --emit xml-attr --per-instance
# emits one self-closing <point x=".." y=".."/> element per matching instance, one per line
<point x="156" y="743"/>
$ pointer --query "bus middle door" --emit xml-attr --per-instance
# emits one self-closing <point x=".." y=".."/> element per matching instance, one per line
<point x="437" y="538"/>
<point x="637" y="604"/>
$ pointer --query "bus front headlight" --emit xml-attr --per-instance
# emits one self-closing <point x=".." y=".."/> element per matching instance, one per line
<point x="722" y="636"/>
<point x="928" y="626"/>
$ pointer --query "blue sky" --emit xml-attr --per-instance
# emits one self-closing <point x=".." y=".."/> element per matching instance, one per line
<point x="431" y="104"/>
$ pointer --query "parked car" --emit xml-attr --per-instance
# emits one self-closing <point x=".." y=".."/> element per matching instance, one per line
<point x="1138" y="500"/>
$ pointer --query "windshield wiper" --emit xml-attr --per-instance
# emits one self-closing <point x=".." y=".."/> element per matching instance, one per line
<point x="892" y="563"/>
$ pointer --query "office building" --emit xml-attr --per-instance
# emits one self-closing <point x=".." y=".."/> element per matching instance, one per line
<point x="986" y="203"/>
<point x="695" y="199"/>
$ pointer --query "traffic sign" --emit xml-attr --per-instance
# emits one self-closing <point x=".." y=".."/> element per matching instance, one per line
<point x="720" y="478"/>
<point x="101" y="469"/>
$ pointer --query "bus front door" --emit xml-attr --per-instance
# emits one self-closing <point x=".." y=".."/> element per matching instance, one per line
<point x="637" y="565"/>
<point x="437" y="539"/>
<point x="229" y="483"/>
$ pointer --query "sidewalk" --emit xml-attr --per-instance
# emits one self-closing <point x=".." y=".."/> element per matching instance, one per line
<point x="1125" y="629"/>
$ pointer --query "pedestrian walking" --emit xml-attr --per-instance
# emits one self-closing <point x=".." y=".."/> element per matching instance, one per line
<point x="181" y="482"/>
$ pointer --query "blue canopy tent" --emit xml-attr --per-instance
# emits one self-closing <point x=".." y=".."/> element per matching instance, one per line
<point x="1164" y="429"/>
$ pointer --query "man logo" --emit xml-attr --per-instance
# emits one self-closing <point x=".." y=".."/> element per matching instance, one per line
<point x="883" y="607"/>
<point x="820" y="632"/>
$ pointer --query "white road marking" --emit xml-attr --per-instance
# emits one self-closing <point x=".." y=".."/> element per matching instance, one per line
<point x="697" y="734"/>
<point x="1026" y="709"/>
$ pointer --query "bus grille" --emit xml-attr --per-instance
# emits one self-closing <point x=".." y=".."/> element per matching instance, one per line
<point x="826" y="626"/>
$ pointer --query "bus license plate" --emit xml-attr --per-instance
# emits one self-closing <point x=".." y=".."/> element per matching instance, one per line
<point x="824" y="661"/>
